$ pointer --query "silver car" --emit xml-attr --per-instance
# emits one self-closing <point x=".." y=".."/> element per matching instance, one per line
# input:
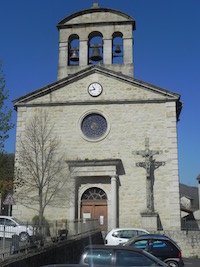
<point x="10" y="226"/>
<point x="121" y="235"/>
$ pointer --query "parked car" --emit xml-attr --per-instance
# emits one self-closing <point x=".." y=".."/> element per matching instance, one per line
<point x="160" y="246"/>
<point x="98" y="255"/>
<point x="10" y="226"/>
<point x="121" y="235"/>
<point x="64" y="265"/>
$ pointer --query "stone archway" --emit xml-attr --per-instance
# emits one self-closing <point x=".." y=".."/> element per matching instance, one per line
<point x="110" y="169"/>
<point x="94" y="206"/>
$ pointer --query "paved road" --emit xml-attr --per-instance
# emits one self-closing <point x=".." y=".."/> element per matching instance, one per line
<point x="191" y="262"/>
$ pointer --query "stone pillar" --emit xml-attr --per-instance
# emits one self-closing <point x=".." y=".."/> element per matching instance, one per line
<point x="72" y="199"/>
<point x="83" y="53"/>
<point x="72" y="226"/>
<point x="107" y="51"/>
<point x="63" y="59"/>
<point x="128" y="50"/>
<point x="150" y="221"/>
<point x="113" y="202"/>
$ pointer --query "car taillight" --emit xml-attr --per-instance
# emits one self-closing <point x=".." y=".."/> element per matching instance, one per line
<point x="179" y="255"/>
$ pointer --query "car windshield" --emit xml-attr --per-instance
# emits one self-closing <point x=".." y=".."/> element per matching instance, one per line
<point x="18" y="221"/>
<point x="98" y="257"/>
<point x="130" y="241"/>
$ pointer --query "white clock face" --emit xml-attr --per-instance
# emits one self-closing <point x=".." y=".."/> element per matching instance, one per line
<point x="95" y="89"/>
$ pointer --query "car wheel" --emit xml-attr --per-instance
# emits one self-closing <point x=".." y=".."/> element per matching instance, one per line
<point x="172" y="264"/>
<point x="23" y="237"/>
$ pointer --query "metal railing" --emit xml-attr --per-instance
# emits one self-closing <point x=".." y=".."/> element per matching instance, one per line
<point x="190" y="225"/>
<point x="44" y="235"/>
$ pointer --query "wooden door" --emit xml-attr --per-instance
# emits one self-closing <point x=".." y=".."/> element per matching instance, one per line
<point x="95" y="210"/>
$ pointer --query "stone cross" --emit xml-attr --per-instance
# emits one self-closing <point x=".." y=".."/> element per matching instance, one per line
<point x="150" y="165"/>
<point x="95" y="4"/>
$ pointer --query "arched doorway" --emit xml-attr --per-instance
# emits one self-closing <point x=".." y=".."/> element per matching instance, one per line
<point x="94" y="206"/>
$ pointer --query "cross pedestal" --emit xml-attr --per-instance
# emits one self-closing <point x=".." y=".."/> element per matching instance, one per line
<point x="150" y="220"/>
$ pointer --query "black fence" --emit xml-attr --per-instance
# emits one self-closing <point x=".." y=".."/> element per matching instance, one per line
<point x="190" y="225"/>
<point x="11" y="242"/>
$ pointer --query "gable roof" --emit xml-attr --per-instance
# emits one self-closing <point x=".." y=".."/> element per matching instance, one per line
<point x="70" y="20"/>
<point x="190" y="192"/>
<point x="169" y="95"/>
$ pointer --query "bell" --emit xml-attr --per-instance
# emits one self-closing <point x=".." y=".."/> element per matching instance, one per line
<point x="74" y="57"/>
<point x="117" y="49"/>
<point x="96" y="54"/>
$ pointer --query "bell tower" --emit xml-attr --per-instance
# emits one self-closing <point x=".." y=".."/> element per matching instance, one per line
<point x="96" y="36"/>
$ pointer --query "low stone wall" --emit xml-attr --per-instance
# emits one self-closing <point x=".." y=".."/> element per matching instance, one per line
<point x="188" y="241"/>
<point x="62" y="252"/>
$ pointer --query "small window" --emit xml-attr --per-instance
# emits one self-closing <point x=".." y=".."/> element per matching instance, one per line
<point x="129" y="258"/>
<point x="141" y="233"/>
<point x="128" y="234"/>
<point x="10" y="223"/>
<point x="161" y="245"/>
<point x="142" y="244"/>
<point x="116" y="234"/>
<point x="99" y="257"/>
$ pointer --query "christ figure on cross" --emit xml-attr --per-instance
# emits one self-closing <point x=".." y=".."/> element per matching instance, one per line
<point x="150" y="165"/>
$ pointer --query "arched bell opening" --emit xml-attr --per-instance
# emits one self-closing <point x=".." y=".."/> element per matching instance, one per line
<point x="117" y="48"/>
<point x="95" y="48"/>
<point x="73" y="50"/>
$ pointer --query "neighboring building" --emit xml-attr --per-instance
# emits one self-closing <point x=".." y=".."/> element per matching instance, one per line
<point x="119" y="133"/>
<point x="189" y="199"/>
<point x="196" y="213"/>
<point x="198" y="179"/>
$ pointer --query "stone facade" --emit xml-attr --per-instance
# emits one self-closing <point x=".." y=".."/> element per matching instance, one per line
<point x="102" y="20"/>
<point x="133" y="111"/>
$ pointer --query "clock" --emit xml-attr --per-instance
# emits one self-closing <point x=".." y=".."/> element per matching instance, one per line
<point x="95" y="89"/>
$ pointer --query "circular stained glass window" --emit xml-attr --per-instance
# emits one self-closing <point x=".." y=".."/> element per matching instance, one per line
<point x="94" y="126"/>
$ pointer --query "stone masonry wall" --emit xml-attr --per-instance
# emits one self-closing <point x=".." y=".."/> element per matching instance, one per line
<point x="129" y="123"/>
<point x="188" y="241"/>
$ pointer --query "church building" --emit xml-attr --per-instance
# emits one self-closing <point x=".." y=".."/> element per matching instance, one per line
<point x="118" y="133"/>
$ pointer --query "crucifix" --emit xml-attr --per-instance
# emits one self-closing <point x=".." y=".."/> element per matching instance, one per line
<point x="150" y="165"/>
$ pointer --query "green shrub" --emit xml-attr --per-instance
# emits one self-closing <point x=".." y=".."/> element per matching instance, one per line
<point x="35" y="220"/>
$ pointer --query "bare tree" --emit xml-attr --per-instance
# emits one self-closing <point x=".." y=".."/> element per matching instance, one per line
<point x="5" y="114"/>
<point x="40" y="166"/>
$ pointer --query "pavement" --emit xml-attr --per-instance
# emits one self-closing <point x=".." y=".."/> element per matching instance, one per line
<point x="191" y="262"/>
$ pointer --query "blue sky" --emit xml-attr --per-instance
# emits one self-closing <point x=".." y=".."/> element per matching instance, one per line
<point x="166" y="54"/>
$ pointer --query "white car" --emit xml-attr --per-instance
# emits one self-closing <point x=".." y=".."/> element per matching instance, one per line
<point x="10" y="226"/>
<point x="121" y="235"/>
